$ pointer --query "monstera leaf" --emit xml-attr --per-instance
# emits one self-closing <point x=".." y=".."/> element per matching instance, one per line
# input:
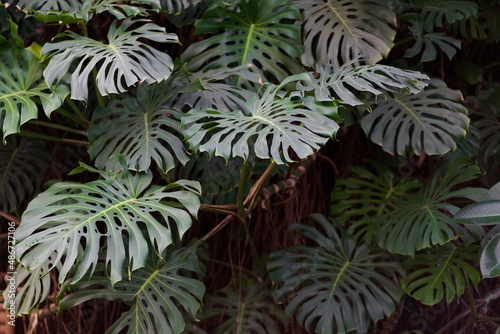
<point x="140" y="128"/>
<point x="32" y="287"/>
<point x="425" y="38"/>
<point x="289" y="125"/>
<point x="251" y="312"/>
<point x="20" y="72"/>
<point x="21" y="162"/>
<point x="436" y="11"/>
<point x="486" y="212"/>
<point x="209" y="89"/>
<point x="112" y="210"/>
<point x="376" y="79"/>
<point x="157" y="294"/>
<point x="425" y="217"/>
<point x="361" y="199"/>
<point x="336" y="287"/>
<point x="259" y="33"/>
<point x="440" y="272"/>
<point x="122" y="62"/>
<point x="336" y="32"/>
<point x="182" y="12"/>
<point x="425" y="121"/>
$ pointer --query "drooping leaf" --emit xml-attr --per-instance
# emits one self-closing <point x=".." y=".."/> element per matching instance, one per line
<point x="376" y="79"/>
<point x="21" y="162"/>
<point x="32" y="287"/>
<point x="112" y="210"/>
<point x="289" y="126"/>
<point x="337" y="32"/>
<point x="424" y="121"/>
<point x="252" y="312"/>
<point x="141" y="128"/>
<point x="122" y="62"/>
<point x="490" y="258"/>
<point x="425" y="217"/>
<point x="210" y="89"/>
<point x="440" y="272"/>
<point x="425" y="39"/>
<point x="182" y="12"/>
<point x="20" y="74"/>
<point x="361" y="199"/>
<point x="336" y="287"/>
<point x="157" y="294"/>
<point x="258" y="33"/>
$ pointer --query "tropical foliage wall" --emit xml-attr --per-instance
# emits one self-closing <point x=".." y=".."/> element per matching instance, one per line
<point x="249" y="166"/>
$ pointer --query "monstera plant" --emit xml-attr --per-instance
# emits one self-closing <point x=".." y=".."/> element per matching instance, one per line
<point x="147" y="119"/>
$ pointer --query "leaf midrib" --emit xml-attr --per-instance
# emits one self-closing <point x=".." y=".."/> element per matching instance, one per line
<point x="343" y="23"/>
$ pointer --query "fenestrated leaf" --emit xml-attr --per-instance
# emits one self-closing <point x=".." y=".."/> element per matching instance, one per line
<point x="424" y="121"/>
<point x="209" y="89"/>
<point x="360" y="200"/>
<point x="436" y="12"/>
<point x="32" y="287"/>
<point x="48" y="5"/>
<point x="141" y="128"/>
<point x="20" y="71"/>
<point x="336" y="287"/>
<point x="252" y="312"/>
<point x="157" y="294"/>
<point x="113" y="210"/>
<point x="21" y="162"/>
<point x="182" y="12"/>
<point x="336" y="32"/>
<point x="490" y="258"/>
<point x="426" y="38"/>
<point x="258" y="33"/>
<point x="122" y="62"/>
<point x="284" y="120"/>
<point x="439" y="272"/>
<point x="425" y="218"/>
<point x="376" y="79"/>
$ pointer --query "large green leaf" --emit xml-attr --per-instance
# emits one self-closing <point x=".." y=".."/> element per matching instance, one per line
<point x="157" y="293"/>
<point x="182" y="12"/>
<point x="490" y="258"/>
<point x="246" y="312"/>
<point x="258" y="33"/>
<point x="141" y="128"/>
<point x="376" y="79"/>
<point x="336" y="287"/>
<point x="112" y="210"/>
<point x="122" y="62"/>
<point x="425" y="121"/>
<point x="336" y="32"/>
<point x="425" y="218"/>
<point x="436" y="12"/>
<point x="361" y="199"/>
<point x="210" y="89"/>
<point x="282" y="119"/>
<point x="20" y="72"/>
<point x="32" y="287"/>
<point x="21" y="162"/>
<point x="425" y="38"/>
<point x="440" y="272"/>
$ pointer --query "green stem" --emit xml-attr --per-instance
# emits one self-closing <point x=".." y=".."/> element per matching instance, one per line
<point x="100" y="99"/>
<point x="471" y="300"/>
<point x="47" y="137"/>
<point x="75" y="108"/>
<point x="83" y="122"/>
<point x="225" y="264"/>
<point x="241" y="192"/>
<point x="403" y="41"/>
<point x="59" y="127"/>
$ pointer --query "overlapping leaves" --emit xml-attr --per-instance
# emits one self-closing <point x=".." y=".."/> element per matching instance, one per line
<point x="258" y="33"/>
<point x="112" y="210"/>
<point x="141" y="128"/>
<point x="20" y="74"/>
<point x="124" y="61"/>
<point x="440" y="272"/>
<point x="283" y="120"/>
<point x="337" y="32"/>
<point x="336" y="287"/>
<point x="425" y="217"/>
<point x="157" y="294"/>
<point x="422" y="122"/>
<point x="21" y="162"/>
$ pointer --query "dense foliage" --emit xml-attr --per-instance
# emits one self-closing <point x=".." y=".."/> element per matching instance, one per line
<point x="155" y="154"/>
